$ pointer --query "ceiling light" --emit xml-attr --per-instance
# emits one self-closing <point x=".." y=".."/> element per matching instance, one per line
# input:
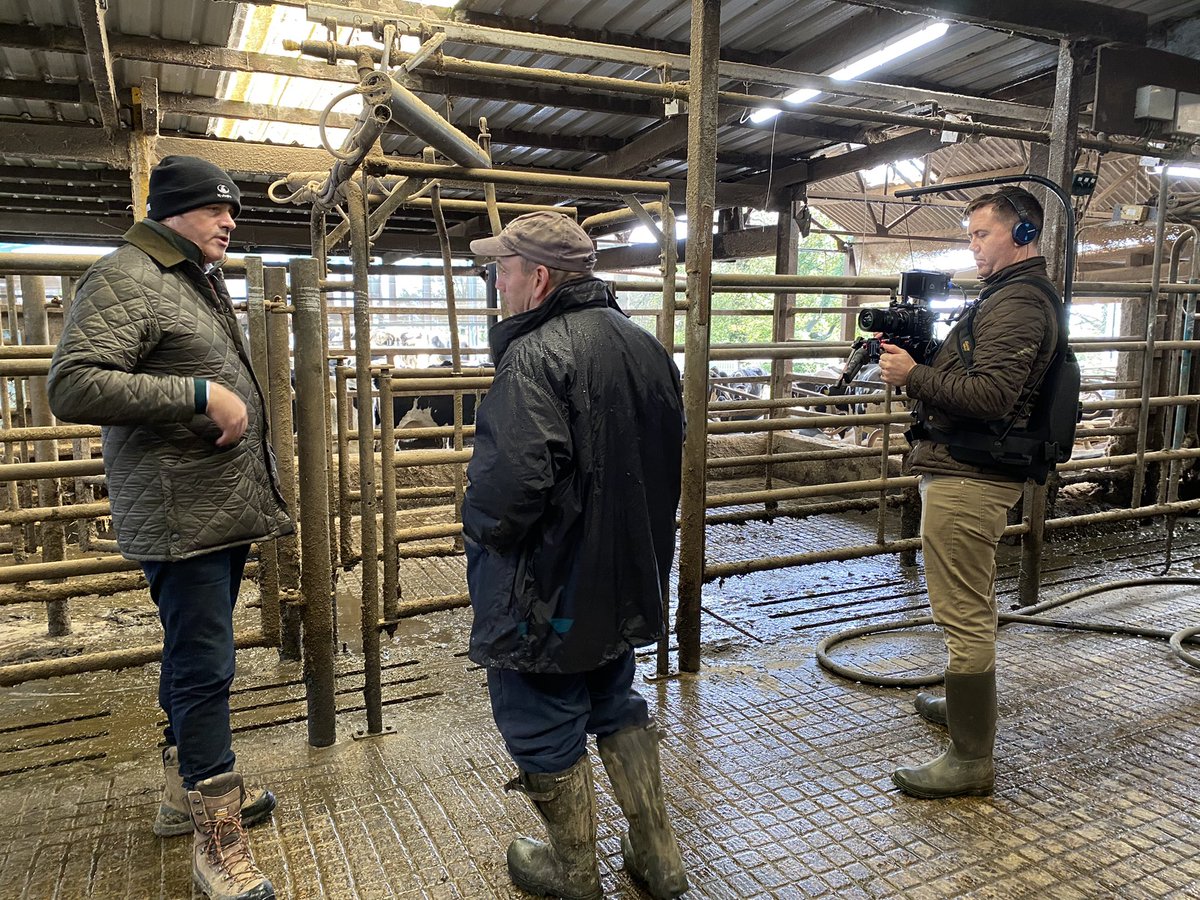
<point x="1179" y="171"/>
<point x="868" y="63"/>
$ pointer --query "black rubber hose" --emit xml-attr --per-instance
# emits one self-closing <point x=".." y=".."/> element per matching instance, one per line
<point x="1028" y="617"/>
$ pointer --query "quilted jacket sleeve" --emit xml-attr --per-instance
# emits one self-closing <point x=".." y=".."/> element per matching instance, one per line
<point x="94" y="379"/>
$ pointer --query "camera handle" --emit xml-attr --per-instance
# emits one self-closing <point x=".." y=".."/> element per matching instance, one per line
<point x="1053" y="187"/>
<point x="862" y="351"/>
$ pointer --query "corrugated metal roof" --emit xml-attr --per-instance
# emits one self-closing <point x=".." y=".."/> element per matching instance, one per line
<point x="967" y="59"/>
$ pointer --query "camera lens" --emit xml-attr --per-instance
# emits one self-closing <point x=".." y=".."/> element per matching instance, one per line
<point x="874" y="319"/>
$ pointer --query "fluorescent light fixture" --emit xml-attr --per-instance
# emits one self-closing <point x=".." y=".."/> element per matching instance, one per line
<point x="1179" y="171"/>
<point x="868" y="63"/>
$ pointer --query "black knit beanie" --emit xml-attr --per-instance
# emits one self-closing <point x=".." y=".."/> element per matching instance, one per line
<point x="182" y="183"/>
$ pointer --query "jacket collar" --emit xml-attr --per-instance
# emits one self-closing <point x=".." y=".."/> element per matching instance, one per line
<point x="579" y="293"/>
<point x="164" y="246"/>
<point x="1035" y="265"/>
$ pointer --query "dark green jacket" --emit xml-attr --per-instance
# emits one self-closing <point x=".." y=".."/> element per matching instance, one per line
<point x="1016" y="333"/>
<point x="146" y="322"/>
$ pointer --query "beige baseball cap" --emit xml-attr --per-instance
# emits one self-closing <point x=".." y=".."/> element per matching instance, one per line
<point x="544" y="237"/>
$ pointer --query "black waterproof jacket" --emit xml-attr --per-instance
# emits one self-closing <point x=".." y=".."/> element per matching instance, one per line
<point x="569" y="515"/>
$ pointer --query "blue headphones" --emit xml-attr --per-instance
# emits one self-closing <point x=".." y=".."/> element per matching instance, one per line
<point x="1024" y="232"/>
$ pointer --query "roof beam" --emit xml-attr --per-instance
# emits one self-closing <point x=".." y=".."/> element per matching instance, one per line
<point x="20" y="227"/>
<point x="1040" y="19"/>
<point x="666" y="139"/>
<point x="907" y="146"/>
<point x="65" y="143"/>
<point x="95" y="36"/>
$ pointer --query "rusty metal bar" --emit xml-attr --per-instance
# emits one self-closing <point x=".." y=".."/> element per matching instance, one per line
<point x="56" y="513"/>
<point x="64" y="469"/>
<point x="279" y="381"/>
<point x="50" y="433"/>
<point x="700" y="201"/>
<point x="579" y="185"/>
<point x="426" y="606"/>
<point x="27" y="351"/>
<point x="345" y="510"/>
<point x="745" y="498"/>
<point x="669" y="265"/>
<point x="109" y="660"/>
<point x="25" y="368"/>
<point x="1143" y="420"/>
<point x="387" y="461"/>
<point x="360" y="252"/>
<point x="768" y="563"/>
<point x="316" y="584"/>
<point x="79" y="586"/>
<point x="52" y="535"/>
<point x="422" y="120"/>
<point x="803" y="512"/>
<point x="429" y="532"/>
<point x="440" y="385"/>
<point x="418" y="458"/>
<point x="268" y="551"/>
<point x="850" y="452"/>
<point x="49" y="571"/>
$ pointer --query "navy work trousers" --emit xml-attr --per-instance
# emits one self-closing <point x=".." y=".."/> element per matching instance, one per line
<point x="195" y="599"/>
<point x="545" y="719"/>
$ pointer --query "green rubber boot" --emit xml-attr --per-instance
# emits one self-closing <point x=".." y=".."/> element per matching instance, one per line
<point x="650" y="848"/>
<point x="931" y="708"/>
<point x="566" y="866"/>
<point x="966" y="768"/>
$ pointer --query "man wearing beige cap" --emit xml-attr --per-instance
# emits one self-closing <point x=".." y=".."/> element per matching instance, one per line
<point x="569" y="520"/>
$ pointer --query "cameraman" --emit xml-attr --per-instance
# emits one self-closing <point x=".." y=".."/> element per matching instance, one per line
<point x="964" y="507"/>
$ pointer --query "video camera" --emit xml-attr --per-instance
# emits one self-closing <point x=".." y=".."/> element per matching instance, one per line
<point x="907" y="322"/>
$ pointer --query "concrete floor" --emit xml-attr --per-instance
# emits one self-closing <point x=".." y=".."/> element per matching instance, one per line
<point x="778" y="772"/>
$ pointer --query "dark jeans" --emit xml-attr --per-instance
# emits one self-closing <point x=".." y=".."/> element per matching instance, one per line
<point x="195" y="599"/>
<point x="545" y="719"/>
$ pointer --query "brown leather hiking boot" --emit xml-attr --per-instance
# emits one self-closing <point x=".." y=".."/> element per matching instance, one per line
<point x="222" y="866"/>
<point x="174" y="816"/>
<point x="566" y="866"/>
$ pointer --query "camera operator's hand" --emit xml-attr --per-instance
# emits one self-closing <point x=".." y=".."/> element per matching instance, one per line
<point x="894" y="364"/>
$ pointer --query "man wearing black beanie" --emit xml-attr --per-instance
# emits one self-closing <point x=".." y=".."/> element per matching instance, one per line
<point x="152" y="351"/>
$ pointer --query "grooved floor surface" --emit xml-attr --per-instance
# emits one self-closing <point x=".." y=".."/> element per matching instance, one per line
<point x="777" y="771"/>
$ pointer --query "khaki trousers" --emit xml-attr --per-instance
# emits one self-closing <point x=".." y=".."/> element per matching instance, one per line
<point x="962" y="520"/>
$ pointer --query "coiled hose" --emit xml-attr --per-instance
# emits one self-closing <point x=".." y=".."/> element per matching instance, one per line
<point x="1176" y="639"/>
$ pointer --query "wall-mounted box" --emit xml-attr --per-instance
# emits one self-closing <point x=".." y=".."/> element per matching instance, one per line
<point x="1187" y="114"/>
<point x="1153" y="101"/>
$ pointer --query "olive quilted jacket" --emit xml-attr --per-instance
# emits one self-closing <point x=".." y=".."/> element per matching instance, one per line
<point x="145" y="323"/>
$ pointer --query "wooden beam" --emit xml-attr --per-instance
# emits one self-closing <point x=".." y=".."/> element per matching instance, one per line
<point x="907" y="146"/>
<point x="142" y="146"/>
<point x="95" y="35"/>
<point x="248" y="237"/>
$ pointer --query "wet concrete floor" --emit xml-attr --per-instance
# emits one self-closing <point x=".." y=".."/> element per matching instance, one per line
<point x="777" y="772"/>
